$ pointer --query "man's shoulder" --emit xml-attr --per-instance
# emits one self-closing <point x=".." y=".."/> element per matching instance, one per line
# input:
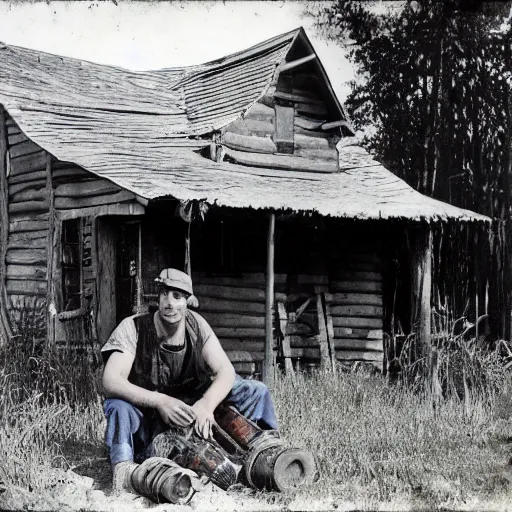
<point x="201" y="320"/>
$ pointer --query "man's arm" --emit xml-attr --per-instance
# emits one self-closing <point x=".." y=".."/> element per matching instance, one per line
<point x="116" y="385"/>
<point x="223" y="380"/>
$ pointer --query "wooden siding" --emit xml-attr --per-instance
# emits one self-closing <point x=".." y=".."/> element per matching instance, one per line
<point x="28" y="225"/>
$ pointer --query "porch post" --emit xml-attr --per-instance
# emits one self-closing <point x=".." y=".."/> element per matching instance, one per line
<point x="5" y="328"/>
<point x="268" y="363"/>
<point x="425" y="273"/>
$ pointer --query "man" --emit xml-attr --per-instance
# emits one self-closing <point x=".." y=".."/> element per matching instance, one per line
<point x="166" y="368"/>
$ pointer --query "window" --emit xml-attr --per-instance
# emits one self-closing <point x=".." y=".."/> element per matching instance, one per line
<point x="76" y="262"/>
<point x="71" y="264"/>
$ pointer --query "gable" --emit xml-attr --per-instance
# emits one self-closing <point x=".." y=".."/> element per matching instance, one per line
<point x="296" y="124"/>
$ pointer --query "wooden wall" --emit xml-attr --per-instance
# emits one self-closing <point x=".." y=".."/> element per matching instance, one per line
<point x="42" y="194"/>
<point x="28" y="227"/>
<point x="339" y="260"/>
<point x="289" y="128"/>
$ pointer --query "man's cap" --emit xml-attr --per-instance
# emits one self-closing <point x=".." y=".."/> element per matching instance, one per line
<point x="174" y="278"/>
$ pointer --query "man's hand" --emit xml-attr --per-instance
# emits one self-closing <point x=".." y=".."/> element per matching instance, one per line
<point x="204" y="419"/>
<point x="174" y="411"/>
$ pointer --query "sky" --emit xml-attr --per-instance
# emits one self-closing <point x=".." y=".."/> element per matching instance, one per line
<point x="152" y="35"/>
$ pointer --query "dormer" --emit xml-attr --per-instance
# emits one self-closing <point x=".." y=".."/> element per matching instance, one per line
<point x="295" y="124"/>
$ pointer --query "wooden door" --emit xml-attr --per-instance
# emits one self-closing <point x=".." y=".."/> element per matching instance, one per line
<point x="128" y="280"/>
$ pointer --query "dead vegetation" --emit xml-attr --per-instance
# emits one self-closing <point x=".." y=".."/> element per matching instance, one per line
<point x="439" y="436"/>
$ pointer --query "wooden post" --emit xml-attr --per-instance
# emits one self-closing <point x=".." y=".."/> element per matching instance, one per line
<point x="425" y="307"/>
<point x="268" y="363"/>
<point x="322" y="332"/>
<point x="330" y="333"/>
<point x="5" y="328"/>
<point x="477" y="278"/>
<point x="50" y="300"/>
<point x="283" y="320"/>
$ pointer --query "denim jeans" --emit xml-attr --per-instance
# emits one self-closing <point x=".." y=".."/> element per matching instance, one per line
<point x="130" y="430"/>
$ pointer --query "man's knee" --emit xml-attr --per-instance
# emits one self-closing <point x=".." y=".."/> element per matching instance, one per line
<point x="259" y="388"/>
<point x="124" y="411"/>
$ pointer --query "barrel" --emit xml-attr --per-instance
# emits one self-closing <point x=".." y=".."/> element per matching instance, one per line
<point x="273" y="467"/>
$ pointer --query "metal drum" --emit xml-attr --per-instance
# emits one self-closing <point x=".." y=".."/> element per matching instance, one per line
<point x="273" y="467"/>
<point x="193" y="452"/>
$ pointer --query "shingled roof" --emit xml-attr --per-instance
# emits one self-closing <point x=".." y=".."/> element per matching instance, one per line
<point x="142" y="130"/>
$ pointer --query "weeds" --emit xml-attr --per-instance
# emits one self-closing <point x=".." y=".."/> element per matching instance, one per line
<point x="375" y="441"/>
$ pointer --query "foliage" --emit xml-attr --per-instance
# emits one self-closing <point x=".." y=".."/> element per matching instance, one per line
<point x="432" y="99"/>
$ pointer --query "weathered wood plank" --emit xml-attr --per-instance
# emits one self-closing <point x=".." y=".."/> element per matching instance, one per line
<point x="357" y="310"/>
<point x="261" y="112"/>
<point x="29" y="206"/>
<point x="106" y="209"/>
<point x="230" y="306"/>
<point x="233" y="293"/>
<point x="23" y="272"/>
<point x="24" y="148"/>
<point x="18" y="241"/>
<point x="239" y="332"/>
<point x="341" y="299"/>
<point x="29" y="194"/>
<point x="28" y="163"/>
<point x="52" y="244"/>
<point x="71" y="171"/>
<point x="26" y="256"/>
<point x="358" y="344"/>
<point x="356" y="286"/>
<point x="5" y="328"/>
<point x="21" y="287"/>
<point x="255" y="127"/>
<point x="359" y="355"/>
<point x="17" y="138"/>
<point x="347" y="355"/>
<point x="27" y="177"/>
<point x="246" y="280"/>
<point x="244" y="356"/>
<point x="309" y="108"/>
<point x="17" y="226"/>
<point x="310" y="142"/>
<point x="67" y="203"/>
<point x="86" y="188"/>
<point x="317" y="154"/>
<point x="19" y="187"/>
<point x="322" y="333"/>
<point x="299" y="98"/>
<point x="106" y="265"/>
<point x="249" y="143"/>
<point x="249" y="345"/>
<point x="350" y="332"/>
<point x="285" y="162"/>
<point x="357" y="323"/>
<point x="233" y="320"/>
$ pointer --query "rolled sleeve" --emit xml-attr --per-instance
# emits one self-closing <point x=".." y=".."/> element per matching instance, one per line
<point x="122" y="339"/>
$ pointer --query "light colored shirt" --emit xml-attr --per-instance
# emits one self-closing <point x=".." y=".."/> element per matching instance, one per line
<point x="124" y="336"/>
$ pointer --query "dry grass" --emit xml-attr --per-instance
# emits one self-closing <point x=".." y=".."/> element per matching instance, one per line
<point x="375" y="442"/>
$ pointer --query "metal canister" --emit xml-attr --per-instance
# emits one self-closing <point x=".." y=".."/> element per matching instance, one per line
<point x="273" y="467"/>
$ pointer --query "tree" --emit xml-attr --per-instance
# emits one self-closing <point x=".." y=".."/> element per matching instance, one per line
<point x="433" y="86"/>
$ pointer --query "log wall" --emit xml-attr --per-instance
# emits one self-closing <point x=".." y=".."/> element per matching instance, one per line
<point x="28" y="228"/>
<point x="43" y="193"/>
<point x="262" y="138"/>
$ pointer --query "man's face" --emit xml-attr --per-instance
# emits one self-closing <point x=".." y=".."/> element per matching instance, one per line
<point x="172" y="305"/>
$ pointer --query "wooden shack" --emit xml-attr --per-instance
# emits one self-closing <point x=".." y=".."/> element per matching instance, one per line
<point x="243" y="171"/>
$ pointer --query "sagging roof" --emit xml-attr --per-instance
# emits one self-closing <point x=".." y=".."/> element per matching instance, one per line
<point x="366" y="192"/>
<point x="142" y="130"/>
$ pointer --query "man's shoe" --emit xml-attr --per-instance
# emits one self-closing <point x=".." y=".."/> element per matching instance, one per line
<point x="122" y="477"/>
